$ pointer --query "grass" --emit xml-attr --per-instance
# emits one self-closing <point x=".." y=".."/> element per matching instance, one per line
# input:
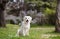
<point x="35" y="33"/>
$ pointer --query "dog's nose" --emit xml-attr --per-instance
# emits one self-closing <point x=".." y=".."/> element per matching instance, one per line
<point x="26" y="20"/>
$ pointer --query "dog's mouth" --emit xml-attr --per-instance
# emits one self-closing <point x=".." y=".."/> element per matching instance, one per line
<point x="26" y="20"/>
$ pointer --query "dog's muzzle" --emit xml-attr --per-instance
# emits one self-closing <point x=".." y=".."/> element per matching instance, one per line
<point x="26" y="20"/>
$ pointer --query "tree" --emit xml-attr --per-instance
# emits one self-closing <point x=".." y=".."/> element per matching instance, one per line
<point x="2" y="6"/>
<point x="57" y="27"/>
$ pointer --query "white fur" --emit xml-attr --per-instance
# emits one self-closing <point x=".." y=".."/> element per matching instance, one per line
<point x="25" y="26"/>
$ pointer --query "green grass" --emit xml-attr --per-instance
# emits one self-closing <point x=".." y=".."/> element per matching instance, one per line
<point x="35" y="33"/>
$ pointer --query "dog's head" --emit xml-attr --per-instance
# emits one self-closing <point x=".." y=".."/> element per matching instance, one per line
<point x="27" y="19"/>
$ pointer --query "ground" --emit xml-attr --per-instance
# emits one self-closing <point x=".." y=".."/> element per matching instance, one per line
<point x="35" y="33"/>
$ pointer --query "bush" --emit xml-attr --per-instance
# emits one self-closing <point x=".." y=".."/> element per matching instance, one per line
<point x="50" y="13"/>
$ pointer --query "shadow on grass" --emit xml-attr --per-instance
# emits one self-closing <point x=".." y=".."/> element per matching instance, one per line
<point x="52" y="32"/>
<point x="44" y="25"/>
<point x="57" y="37"/>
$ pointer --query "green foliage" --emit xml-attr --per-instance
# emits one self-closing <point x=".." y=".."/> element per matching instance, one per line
<point x="45" y="5"/>
<point x="48" y="11"/>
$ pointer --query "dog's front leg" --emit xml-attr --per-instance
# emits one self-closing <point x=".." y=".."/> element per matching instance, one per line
<point x="27" y="33"/>
<point x="23" y="32"/>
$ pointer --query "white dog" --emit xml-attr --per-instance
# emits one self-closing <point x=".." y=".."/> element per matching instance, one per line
<point x="25" y="26"/>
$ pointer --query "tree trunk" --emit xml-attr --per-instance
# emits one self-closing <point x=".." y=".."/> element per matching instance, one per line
<point x="2" y="6"/>
<point x="2" y="21"/>
<point x="57" y="27"/>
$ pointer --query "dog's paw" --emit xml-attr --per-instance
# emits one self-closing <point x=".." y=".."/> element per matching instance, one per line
<point x="27" y="34"/>
<point x="17" y="35"/>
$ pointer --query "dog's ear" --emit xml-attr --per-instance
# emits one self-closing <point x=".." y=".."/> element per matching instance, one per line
<point x="24" y="17"/>
<point x="30" y="19"/>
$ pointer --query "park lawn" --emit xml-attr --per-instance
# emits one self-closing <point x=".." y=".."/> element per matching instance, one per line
<point x="35" y="33"/>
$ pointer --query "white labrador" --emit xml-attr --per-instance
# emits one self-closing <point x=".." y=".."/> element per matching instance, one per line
<point x="25" y="26"/>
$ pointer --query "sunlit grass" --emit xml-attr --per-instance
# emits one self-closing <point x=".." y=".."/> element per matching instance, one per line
<point x="35" y="33"/>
